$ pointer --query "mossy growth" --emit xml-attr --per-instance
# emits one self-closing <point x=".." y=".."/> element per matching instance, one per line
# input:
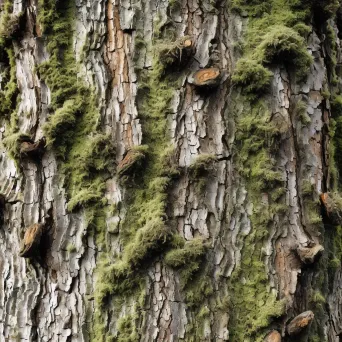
<point x="311" y="205"/>
<point x="274" y="36"/>
<point x="254" y="137"/>
<point x="323" y="279"/>
<point x="200" y="169"/>
<point x="12" y="143"/>
<point x="335" y="158"/>
<point x="282" y="44"/>
<point x="186" y="251"/>
<point x="253" y="8"/>
<point x="202" y="165"/>
<point x="300" y="111"/>
<point x="73" y="128"/>
<point x="132" y="163"/>
<point x="253" y="307"/>
<point x="307" y="8"/>
<point x="94" y="158"/>
<point x="251" y="75"/>
<point x="144" y="232"/>
<point x="175" y="52"/>
<point x="336" y="106"/>
<point x="71" y="248"/>
<point x="9" y="90"/>
<point x="322" y="9"/>
<point x="187" y="258"/>
<point x="127" y="331"/>
<point x="9" y="23"/>
<point x="330" y="45"/>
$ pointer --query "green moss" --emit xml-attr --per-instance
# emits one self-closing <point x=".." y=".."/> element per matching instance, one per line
<point x="172" y="51"/>
<point x="326" y="93"/>
<point x="127" y="331"/>
<point x="147" y="240"/>
<point x="300" y="111"/>
<point x="191" y="250"/>
<point x="8" y="22"/>
<point x="187" y="258"/>
<point x="71" y="248"/>
<point x="331" y="48"/>
<point x="198" y="289"/>
<point x="143" y="232"/>
<point x="311" y="204"/>
<point x="336" y="106"/>
<point x="73" y="131"/>
<point x="86" y="155"/>
<point x="282" y="44"/>
<point x="274" y="36"/>
<point x="9" y="93"/>
<point x="251" y="75"/>
<point x="201" y="165"/>
<point x="253" y="307"/>
<point x="253" y="8"/>
<point x="318" y="298"/>
<point x="302" y="29"/>
<point x="254" y="132"/>
<point x="46" y="14"/>
<point x="12" y="143"/>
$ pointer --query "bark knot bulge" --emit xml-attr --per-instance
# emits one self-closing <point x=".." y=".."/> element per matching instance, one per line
<point x="300" y="322"/>
<point x="31" y="149"/>
<point x="308" y="255"/>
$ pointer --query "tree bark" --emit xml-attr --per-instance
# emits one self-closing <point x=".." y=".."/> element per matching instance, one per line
<point x="169" y="170"/>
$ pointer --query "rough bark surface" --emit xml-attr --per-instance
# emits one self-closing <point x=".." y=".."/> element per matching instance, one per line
<point x="243" y="240"/>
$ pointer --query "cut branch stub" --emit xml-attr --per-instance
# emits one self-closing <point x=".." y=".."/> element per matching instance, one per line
<point x="31" y="242"/>
<point x="300" y="322"/>
<point x="210" y="77"/>
<point x="131" y="162"/>
<point x="309" y="255"/>
<point x="273" y="336"/>
<point x="179" y="52"/>
<point x="32" y="150"/>
<point x="332" y="205"/>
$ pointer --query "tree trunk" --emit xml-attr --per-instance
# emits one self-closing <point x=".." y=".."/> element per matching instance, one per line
<point x="169" y="170"/>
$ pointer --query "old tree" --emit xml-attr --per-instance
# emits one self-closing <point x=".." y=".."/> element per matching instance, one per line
<point x="170" y="170"/>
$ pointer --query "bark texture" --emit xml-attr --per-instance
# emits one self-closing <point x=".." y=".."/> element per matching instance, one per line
<point x="169" y="170"/>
